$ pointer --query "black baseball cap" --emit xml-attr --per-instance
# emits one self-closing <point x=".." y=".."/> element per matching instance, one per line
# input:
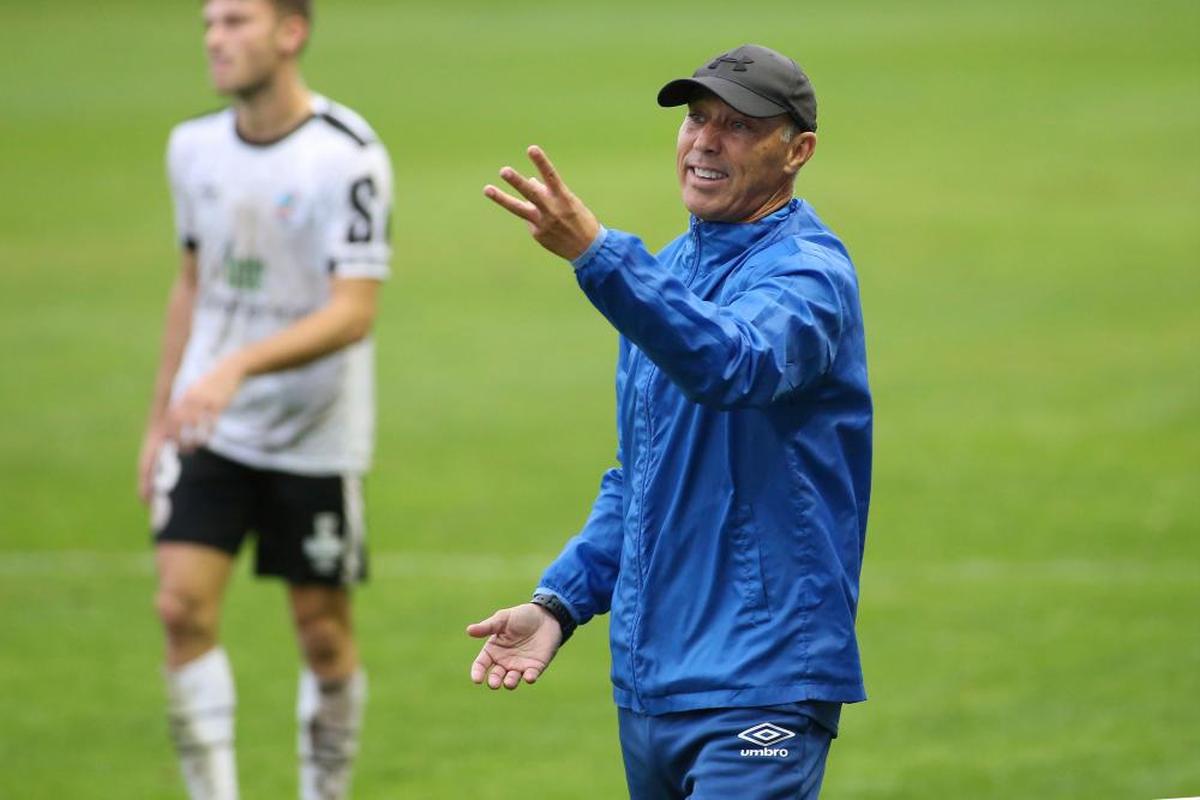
<point x="753" y="79"/>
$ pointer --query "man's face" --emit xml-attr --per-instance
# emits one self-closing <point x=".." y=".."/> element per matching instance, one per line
<point x="733" y="168"/>
<point x="245" y="41"/>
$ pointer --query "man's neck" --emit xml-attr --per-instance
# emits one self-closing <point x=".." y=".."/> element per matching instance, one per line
<point x="777" y="201"/>
<point x="274" y="109"/>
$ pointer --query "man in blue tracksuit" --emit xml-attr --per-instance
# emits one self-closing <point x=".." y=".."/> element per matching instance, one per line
<point x="728" y="542"/>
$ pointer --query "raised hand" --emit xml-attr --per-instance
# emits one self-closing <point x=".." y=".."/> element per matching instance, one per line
<point x="557" y="219"/>
<point x="521" y="641"/>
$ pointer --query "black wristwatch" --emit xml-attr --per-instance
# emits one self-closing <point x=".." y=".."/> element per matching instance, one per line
<point x="558" y="609"/>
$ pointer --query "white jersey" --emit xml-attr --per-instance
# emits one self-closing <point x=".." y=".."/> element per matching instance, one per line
<point x="271" y="225"/>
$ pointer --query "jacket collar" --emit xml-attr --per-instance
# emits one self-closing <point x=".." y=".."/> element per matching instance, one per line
<point x="721" y="241"/>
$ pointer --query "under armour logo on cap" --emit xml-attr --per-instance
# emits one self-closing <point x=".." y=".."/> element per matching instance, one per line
<point x="775" y="86"/>
<point x="739" y="63"/>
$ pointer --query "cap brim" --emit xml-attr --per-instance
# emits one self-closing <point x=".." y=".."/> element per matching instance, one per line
<point x="684" y="90"/>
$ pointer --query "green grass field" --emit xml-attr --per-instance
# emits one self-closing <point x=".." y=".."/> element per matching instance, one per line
<point x="1019" y="185"/>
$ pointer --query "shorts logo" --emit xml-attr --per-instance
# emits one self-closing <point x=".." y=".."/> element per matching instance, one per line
<point x="324" y="548"/>
<point x="764" y="735"/>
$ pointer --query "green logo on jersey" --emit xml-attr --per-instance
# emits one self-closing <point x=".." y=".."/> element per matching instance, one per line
<point x="243" y="273"/>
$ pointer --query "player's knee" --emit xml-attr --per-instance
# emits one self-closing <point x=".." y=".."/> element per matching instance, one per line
<point x="182" y="615"/>
<point x="324" y="639"/>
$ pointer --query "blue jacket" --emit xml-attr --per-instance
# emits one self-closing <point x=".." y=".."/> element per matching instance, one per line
<point x="729" y="541"/>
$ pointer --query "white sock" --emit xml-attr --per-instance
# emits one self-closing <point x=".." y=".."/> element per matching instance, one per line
<point x="330" y="715"/>
<point x="200" y="710"/>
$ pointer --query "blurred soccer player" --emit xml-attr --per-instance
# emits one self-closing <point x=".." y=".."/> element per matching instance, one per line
<point x="263" y="411"/>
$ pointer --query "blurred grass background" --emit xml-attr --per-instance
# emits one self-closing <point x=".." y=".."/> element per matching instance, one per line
<point x="1019" y="185"/>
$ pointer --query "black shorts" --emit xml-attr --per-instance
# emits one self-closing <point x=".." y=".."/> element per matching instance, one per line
<point x="309" y="528"/>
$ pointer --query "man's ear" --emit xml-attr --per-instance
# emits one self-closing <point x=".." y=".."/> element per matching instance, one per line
<point x="292" y="34"/>
<point x="800" y="150"/>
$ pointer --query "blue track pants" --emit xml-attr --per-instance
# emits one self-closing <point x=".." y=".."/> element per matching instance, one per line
<point x="774" y="753"/>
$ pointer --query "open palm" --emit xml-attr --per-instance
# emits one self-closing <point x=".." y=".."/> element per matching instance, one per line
<point x="521" y="641"/>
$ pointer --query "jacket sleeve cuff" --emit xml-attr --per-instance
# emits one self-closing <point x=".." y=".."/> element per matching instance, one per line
<point x="543" y="589"/>
<point x="585" y="257"/>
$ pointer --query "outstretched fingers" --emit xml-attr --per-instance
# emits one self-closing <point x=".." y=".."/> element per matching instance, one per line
<point x="526" y="211"/>
<point x="530" y="188"/>
<point x="549" y="174"/>
<point x="482" y="630"/>
<point x="493" y="624"/>
<point x="480" y="666"/>
<point x="557" y="219"/>
<point x="486" y="668"/>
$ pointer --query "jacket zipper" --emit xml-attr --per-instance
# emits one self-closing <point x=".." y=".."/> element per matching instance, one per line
<point x="649" y="367"/>
<point x="641" y="535"/>
<point x="695" y="270"/>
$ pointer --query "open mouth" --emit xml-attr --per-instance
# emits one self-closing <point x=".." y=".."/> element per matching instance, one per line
<point x="707" y="175"/>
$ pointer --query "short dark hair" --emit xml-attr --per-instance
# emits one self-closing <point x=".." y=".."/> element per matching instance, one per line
<point x="301" y="7"/>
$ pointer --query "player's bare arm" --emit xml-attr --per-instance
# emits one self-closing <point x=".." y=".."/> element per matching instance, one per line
<point x="557" y="219"/>
<point x="345" y="319"/>
<point x="521" y="641"/>
<point x="175" y="336"/>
